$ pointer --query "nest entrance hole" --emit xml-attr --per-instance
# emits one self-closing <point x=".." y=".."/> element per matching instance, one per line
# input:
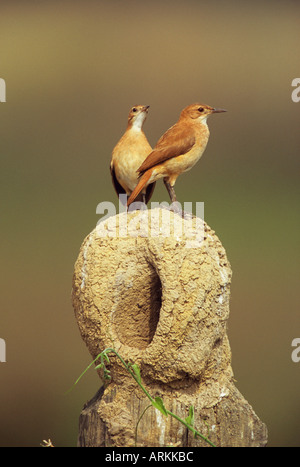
<point x="138" y="308"/>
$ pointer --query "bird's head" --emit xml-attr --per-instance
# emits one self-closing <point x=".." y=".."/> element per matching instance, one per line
<point x="137" y="116"/>
<point x="199" y="112"/>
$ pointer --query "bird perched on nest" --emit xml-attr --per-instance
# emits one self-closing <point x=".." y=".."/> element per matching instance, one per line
<point x="128" y="155"/>
<point x="177" y="151"/>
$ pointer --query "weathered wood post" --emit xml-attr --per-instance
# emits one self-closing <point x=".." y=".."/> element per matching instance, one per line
<point x="155" y="287"/>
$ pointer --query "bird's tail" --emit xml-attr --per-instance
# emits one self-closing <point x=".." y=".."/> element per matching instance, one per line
<point x="141" y="184"/>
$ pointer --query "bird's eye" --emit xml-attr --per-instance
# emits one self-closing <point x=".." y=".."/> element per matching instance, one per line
<point x="200" y="109"/>
<point x="134" y="109"/>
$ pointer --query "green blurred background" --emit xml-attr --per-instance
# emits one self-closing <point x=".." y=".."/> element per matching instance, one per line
<point x="73" y="69"/>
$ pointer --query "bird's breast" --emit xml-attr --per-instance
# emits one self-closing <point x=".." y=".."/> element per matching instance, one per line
<point x="127" y="157"/>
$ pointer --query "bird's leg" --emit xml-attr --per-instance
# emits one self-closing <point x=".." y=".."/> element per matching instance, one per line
<point x="175" y="206"/>
<point x="171" y="191"/>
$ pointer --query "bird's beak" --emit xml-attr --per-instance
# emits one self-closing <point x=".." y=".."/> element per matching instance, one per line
<point x="215" y="111"/>
<point x="146" y="107"/>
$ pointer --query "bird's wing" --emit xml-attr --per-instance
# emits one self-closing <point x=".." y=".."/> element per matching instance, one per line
<point x="119" y="189"/>
<point x="176" y="141"/>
